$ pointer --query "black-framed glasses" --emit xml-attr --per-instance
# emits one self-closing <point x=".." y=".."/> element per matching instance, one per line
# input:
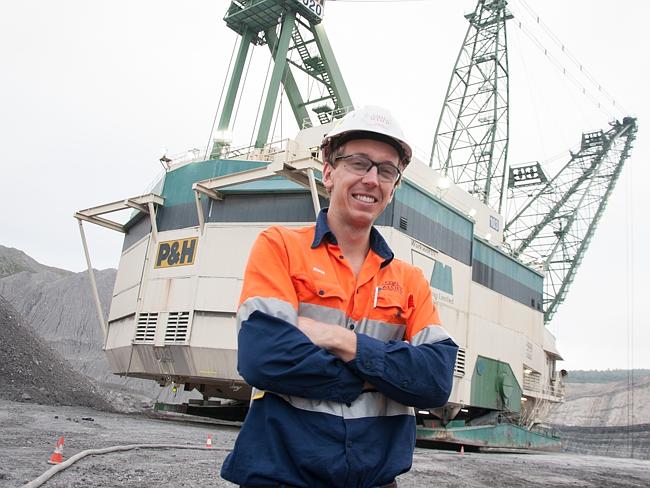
<point x="360" y="165"/>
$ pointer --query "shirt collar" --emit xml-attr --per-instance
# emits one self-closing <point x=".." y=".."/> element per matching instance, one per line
<point x="377" y="243"/>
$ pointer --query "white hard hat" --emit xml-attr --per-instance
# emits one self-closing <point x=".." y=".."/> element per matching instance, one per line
<point x="369" y="122"/>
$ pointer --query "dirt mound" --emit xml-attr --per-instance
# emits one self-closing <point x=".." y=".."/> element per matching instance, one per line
<point x="30" y="371"/>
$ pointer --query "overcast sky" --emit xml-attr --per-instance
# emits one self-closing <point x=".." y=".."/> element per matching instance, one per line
<point x="91" y="93"/>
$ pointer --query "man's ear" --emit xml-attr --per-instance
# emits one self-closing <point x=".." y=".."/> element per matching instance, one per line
<point x="392" y="192"/>
<point x="327" y="176"/>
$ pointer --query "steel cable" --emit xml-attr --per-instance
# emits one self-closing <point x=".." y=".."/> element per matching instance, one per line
<point x="223" y="88"/>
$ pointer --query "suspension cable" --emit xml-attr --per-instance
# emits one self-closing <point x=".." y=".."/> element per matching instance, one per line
<point x="223" y="88"/>
<point x="279" y="109"/>
<point x="241" y="92"/>
<point x="595" y="98"/>
<point x="277" y="115"/>
<point x="268" y="69"/>
<point x="556" y="40"/>
<point x="570" y="55"/>
<point x="560" y="67"/>
<point x="629" y="292"/>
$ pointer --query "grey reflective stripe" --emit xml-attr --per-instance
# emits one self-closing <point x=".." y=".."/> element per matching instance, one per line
<point x="270" y="306"/>
<point x="375" y="404"/>
<point x="320" y="406"/>
<point x="367" y="405"/>
<point x="373" y="328"/>
<point x="322" y="314"/>
<point x="430" y="335"/>
<point x="381" y="330"/>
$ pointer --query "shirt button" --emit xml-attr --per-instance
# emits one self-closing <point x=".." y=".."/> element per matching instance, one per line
<point x="405" y="383"/>
<point x="367" y="364"/>
<point x="351" y="326"/>
<point x="348" y="444"/>
<point x="341" y="256"/>
<point x="321" y="292"/>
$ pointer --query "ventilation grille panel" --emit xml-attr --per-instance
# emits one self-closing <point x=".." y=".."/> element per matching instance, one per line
<point x="459" y="368"/>
<point x="532" y="380"/>
<point x="403" y="223"/>
<point x="177" y="326"/>
<point x="145" y="331"/>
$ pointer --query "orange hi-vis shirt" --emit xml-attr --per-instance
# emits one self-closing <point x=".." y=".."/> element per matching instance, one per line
<point x="311" y="422"/>
<point x="313" y="276"/>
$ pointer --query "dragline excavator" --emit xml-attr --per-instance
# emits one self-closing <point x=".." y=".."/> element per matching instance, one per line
<point x="496" y="278"/>
<point x="551" y="220"/>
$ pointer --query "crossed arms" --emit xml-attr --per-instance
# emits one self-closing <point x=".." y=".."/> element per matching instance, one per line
<point x="285" y="353"/>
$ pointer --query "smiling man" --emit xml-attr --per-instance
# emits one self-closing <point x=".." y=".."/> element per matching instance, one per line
<point x="339" y="339"/>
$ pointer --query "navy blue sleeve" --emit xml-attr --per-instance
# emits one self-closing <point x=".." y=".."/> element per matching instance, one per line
<point x="276" y="356"/>
<point x="418" y="376"/>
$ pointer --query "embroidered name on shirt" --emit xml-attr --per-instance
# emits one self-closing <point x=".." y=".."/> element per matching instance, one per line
<point x="392" y="286"/>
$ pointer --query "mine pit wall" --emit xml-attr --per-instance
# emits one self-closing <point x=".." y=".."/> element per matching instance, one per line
<point x="622" y="442"/>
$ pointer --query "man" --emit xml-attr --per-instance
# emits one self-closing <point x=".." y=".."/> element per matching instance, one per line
<point x="339" y="339"/>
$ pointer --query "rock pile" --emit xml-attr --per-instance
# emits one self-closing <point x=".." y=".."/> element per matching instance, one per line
<point x="30" y="371"/>
<point x="57" y="304"/>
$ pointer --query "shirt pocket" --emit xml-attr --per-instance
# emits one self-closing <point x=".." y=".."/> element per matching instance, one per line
<point x="310" y="290"/>
<point x="392" y="307"/>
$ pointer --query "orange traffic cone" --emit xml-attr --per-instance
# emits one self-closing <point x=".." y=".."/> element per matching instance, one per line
<point x="208" y="442"/>
<point x="57" y="455"/>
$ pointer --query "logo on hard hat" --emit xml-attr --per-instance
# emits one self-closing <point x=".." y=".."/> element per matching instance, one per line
<point x="379" y="119"/>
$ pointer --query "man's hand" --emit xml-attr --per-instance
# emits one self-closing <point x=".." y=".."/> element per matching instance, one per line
<point x="337" y="340"/>
<point x="319" y="333"/>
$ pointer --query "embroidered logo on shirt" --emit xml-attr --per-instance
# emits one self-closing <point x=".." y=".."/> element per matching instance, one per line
<point x="392" y="285"/>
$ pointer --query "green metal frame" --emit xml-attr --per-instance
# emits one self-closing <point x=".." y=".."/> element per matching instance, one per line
<point x="288" y="22"/>
<point x="504" y="436"/>
<point x="554" y="227"/>
<point x="554" y="220"/>
<point x="233" y="85"/>
<point x="257" y="21"/>
<point x="289" y="82"/>
<point x="471" y="141"/>
<point x="332" y="72"/>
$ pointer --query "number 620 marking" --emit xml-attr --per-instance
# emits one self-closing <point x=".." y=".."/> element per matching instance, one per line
<point x="314" y="6"/>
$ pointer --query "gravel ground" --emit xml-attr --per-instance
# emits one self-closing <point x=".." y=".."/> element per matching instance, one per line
<point x="29" y="433"/>
<point x="44" y="398"/>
